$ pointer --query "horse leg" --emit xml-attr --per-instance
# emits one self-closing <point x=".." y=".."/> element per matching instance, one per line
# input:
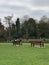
<point x="43" y="45"/>
<point x="40" y="44"/>
<point x="13" y="44"/>
<point x="31" y="44"/>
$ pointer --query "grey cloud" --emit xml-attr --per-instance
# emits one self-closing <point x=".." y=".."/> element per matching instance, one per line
<point x="21" y="10"/>
<point x="13" y="7"/>
<point x="40" y="2"/>
<point x="37" y="14"/>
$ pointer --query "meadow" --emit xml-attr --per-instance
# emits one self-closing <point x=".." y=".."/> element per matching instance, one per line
<point x="23" y="55"/>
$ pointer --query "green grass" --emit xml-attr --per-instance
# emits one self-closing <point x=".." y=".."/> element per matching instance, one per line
<point x="23" y="55"/>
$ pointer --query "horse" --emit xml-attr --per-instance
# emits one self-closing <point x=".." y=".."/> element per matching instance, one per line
<point x="17" y="42"/>
<point x="41" y="43"/>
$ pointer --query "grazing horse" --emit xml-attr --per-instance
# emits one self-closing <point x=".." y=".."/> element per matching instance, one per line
<point x="17" y="42"/>
<point x="41" y="43"/>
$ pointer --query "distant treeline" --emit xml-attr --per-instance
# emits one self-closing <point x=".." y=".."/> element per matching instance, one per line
<point x="28" y="29"/>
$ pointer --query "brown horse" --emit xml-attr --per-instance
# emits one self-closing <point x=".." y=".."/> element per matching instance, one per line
<point x="17" y="42"/>
<point x="41" y="43"/>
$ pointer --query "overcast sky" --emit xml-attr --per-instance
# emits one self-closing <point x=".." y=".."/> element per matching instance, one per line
<point x="19" y="8"/>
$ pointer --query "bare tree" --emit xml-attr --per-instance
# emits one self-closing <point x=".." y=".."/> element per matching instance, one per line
<point x="8" y="20"/>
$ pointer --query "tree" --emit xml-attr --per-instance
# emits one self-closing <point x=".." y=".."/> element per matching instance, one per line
<point x="13" y="31"/>
<point x="32" y="27"/>
<point x="8" y="20"/>
<point x="2" y="38"/>
<point x="18" y="27"/>
<point x="43" y="28"/>
<point x="29" y="28"/>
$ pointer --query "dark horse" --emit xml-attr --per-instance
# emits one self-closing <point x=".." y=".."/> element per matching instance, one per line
<point x="17" y="42"/>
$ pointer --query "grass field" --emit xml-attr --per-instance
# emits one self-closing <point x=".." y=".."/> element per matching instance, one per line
<point x="23" y="55"/>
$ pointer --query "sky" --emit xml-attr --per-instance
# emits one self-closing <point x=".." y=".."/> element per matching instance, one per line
<point x="19" y="8"/>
